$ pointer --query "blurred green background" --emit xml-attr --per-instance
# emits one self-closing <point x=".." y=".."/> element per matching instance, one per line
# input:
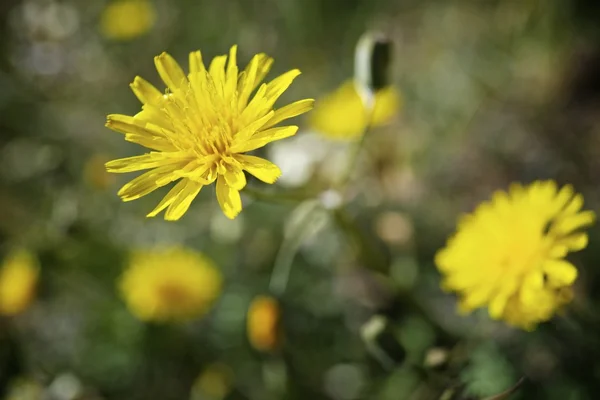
<point x="493" y="92"/>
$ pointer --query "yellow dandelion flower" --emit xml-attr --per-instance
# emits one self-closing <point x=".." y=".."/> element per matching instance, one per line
<point x="127" y="19"/>
<point x="170" y="285"/>
<point x="342" y="114"/>
<point x="18" y="280"/>
<point x="202" y="127"/>
<point x="263" y="323"/>
<point x="509" y="254"/>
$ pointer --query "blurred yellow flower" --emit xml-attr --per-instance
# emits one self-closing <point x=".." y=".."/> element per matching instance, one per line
<point x="170" y="285"/>
<point x="94" y="172"/>
<point x="342" y="114"/>
<point x="127" y="19"/>
<point x="509" y="254"/>
<point x="18" y="280"/>
<point x="200" y="129"/>
<point x="215" y="382"/>
<point x="263" y="323"/>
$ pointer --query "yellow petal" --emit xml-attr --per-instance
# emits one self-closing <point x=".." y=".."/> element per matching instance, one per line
<point x="229" y="199"/>
<point x="574" y="205"/>
<point x="151" y="142"/>
<point x="169" y="198"/>
<point x="560" y="272"/>
<point x="232" y="69"/>
<point x="246" y="82"/>
<point x="146" y="92"/>
<point x="126" y="124"/>
<point x="146" y="183"/>
<point x="497" y="306"/>
<point x="235" y="178"/>
<point x="262" y="169"/>
<point x="138" y="163"/>
<point x="279" y="85"/>
<point x="196" y="63"/>
<point x="262" y="138"/>
<point x="573" y="222"/>
<point x="216" y="69"/>
<point x="182" y="202"/>
<point x="264" y="66"/>
<point x="170" y="71"/>
<point x="246" y="133"/>
<point x="574" y="242"/>
<point x="290" y="111"/>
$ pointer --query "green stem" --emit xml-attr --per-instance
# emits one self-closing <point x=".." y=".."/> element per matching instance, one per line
<point x="282" y="268"/>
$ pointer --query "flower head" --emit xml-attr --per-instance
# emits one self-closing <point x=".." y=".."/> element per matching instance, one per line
<point x="200" y="129"/>
<point x="343" y="115"/>
<point x="127" y="19"/>
<point x="18" y="279"/>
<point x="509" y="254"/>
<point x="170" y="285"/>
<point x="263" y="323"/>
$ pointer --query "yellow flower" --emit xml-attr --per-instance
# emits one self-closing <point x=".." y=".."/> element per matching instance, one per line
<point x="509" y="254"/>
<point x="170" y="285"/>
<point x="263" y="323"/>
<point x="342" y="114"/>
<point x="215" y="382"/>
<point x="127" y="19"/>
<point x="94" y="172"/>
<point x="200" y="129"/>
<point x="18" y="280"/>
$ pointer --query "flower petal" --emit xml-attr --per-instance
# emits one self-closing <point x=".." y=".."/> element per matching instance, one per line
<point x="229" y="199"/>
<point x="290" y="111"/>
<point x="571" y="223"/>
<point x="169" y="71"/>
<point x="262" y="138"/>
<point x="147" y="183"/>
<point x="196" y="63"/>
<point x="182" y="202"/>
<point x="144" y="161"/>
<point x="262" y="169"/>
<point x="560" y="272"/>
<point x="235" y="178"/>
<point x="146" y="92"/>
<point x="168" y="199"/>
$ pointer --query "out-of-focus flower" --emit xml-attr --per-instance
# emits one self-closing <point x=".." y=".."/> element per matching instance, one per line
<point x="175" y="284"/>
<point x="18" y="280"/>
<point x="509" y="254"/>
<point x="94" y="172"/>
<point x="202" y="127"/>
<point x="342" y="114"/>
<point x="215" y="382"/>
<point x="127" y="19"/>
<point x="263" y="323"/>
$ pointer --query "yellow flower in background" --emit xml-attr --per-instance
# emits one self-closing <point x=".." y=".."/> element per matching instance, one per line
<point x="94" y="172"/>
<point x="509" y="254"/>
<point x="200" y="130"/>
<point x="342" y="114"/>
<point x="18" y="280"/>
<point x="170" y="285"/>
<point x="263" y="323"/>
<point x="127" y="19"/>
<point x="215" y="383"/>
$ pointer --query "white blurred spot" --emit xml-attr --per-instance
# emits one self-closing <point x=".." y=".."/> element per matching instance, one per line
<point x="344" y="381"/>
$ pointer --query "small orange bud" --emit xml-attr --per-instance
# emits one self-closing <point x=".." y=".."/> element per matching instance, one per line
<point x="263" y="323"/>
